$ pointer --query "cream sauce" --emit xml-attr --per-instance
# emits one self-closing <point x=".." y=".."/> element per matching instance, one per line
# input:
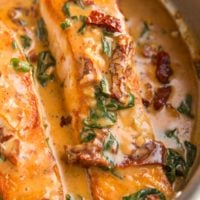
<point x="163" y="32"/>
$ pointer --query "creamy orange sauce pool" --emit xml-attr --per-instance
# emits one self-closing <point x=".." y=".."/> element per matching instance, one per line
<point x="162" y="32"/>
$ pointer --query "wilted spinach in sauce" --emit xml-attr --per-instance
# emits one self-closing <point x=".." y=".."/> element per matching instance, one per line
<point x="144" y="193"/>
<point x="45" y="61"/>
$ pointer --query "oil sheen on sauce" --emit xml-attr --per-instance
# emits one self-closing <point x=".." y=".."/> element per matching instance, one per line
<point x="163" y="32"/>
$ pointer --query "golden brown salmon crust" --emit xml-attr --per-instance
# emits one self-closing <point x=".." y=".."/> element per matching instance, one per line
<point x="27" y="168"/>
<point x="81" y="65"/>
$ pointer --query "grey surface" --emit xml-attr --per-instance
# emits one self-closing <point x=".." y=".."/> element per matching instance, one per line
<point x="190" y="10"/>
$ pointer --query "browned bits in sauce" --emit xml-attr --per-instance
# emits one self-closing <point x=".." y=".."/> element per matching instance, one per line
<point x="32" y="56"/>
<point x="197" y="66"/>
<point x="17" y="15"/>
<point x="161" y="97"/>
<point x="88" y="2"/>
<point x="3" y="137"/>
<point x="64" y="121"/>
<point x="163" y="70"/>
<point x="146" y="103"/>
<point x="111" y="24"/>
<point x="87" y="66"/>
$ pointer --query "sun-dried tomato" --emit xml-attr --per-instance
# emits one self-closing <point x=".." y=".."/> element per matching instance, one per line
<point x="64" y="121"/>
<point x="161" y="97"/>
<point x="164" y="70"/>
<point x="111" y="23"/>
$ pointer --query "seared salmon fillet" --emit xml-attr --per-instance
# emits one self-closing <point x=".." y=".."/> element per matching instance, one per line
<point x="27" y="167"/>
<point x="112" y="133"/>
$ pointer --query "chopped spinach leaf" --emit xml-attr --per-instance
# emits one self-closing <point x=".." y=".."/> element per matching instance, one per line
<point x="107" y="46"/>
<point x="107" y="33"/>
<point x="104" y="114"/>
<point x="45" y="61"/>
<point x="2" y="158"/>
<point x="21" y="66"/>
<point x="68" y="197"/>
<point x="145" y="29"/>
<point x="88" y="135"/>
<point x="66" y="24"/>
<point x="26" y="41"/>
<point x="144" y="193"/>
<point x="104" y="120"/>
<point x="41" y="31"/>
<point x="14" y="44"/>
<point x="112" y="171"/>
<point x="175" y="165"/>
<point x="115" y="173"/>
<point x="185" y="107"/>
<point x="110" y="143"/>
<point x="81" y="30"/>
<point x="82" y="18"/>
<point x="191" y="151"/>
<point x="104" y="87"/>
<point x="66" y="9"/>
<point x="80" y="3"/>
<point x="116" y="105"/>
<point x="173" y="134"/>
<point x="75" y="18"/>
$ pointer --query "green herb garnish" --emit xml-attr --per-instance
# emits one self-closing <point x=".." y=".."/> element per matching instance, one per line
<point x="143" y="194"/>
<point x="112" y="171"/>
<point x="75" y="18"/>
<point x="175" y="165"/>
<point x="2" y="158"/>
<point x="66" y="24"/>
<point x="41" y="31"/>
<point x="185" y="107"/>
<point x="145" y="29"/>
<point x="110" y="143"/>
<point x="68" y="197"/>
<point x="21" y="66"/>
<point x="14" y="44"/>
<point x="115" y="105"/>
<point x="173" y="134"/>
<point x="99" y="119"/>
<point x="107" y="46"/>
<point x="191" y="152"/>
<point x="80" y="3"/>
<point x="66" y="9"/>
<point x="110" y="146"/>
<point x="104" y="115"/>
<point x="88" y="135"/>
<point x="45" y="61"/>
<point x="26" y="41"/>
<point x="81" y="30"/>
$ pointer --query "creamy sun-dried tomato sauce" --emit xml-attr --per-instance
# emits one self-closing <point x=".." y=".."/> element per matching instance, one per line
<point x="158" y="42"/>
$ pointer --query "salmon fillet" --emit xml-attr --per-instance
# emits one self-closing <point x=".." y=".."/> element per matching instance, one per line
<point x="27" y="167"/>
<point x="94" y="54"/>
